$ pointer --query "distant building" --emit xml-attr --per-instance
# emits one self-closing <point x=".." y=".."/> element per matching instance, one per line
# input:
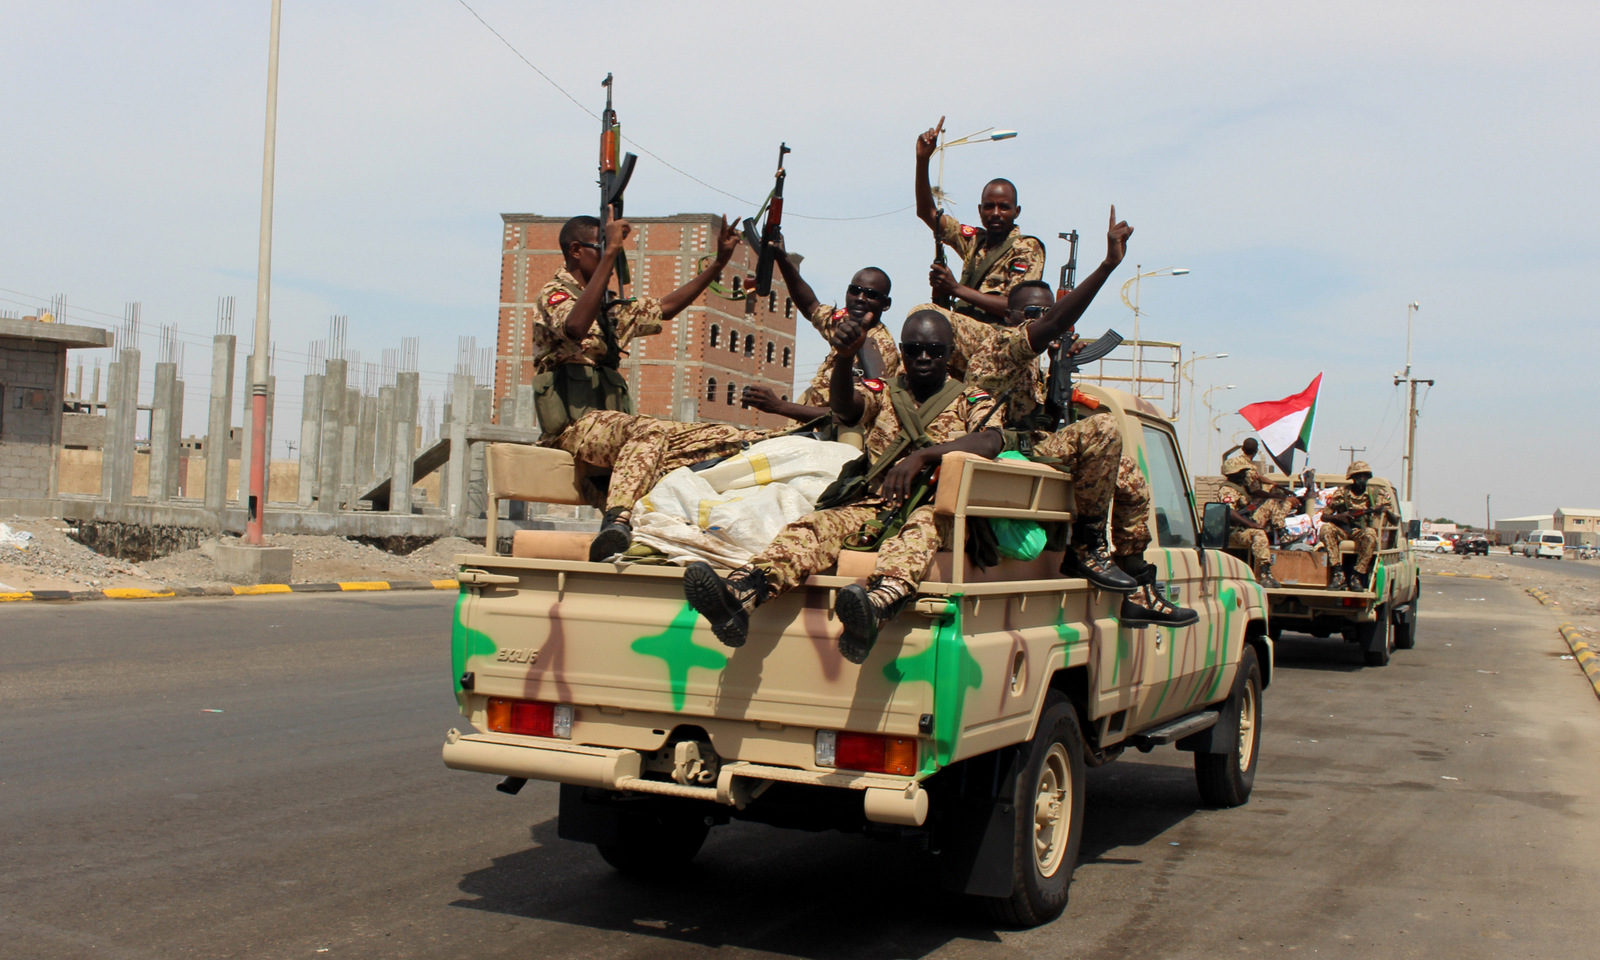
<point x="1512" y="527"/>
<point x="33" y="389"/>
<point x="1580" y="526"/>
<point x="698" y="366"/>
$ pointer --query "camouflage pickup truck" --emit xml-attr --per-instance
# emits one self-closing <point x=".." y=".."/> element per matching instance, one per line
<point x="1378" y="619"/>
<point x="968" y="728"/>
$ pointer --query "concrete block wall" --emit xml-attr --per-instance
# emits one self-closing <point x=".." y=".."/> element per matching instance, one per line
<point x="32" y="385"/>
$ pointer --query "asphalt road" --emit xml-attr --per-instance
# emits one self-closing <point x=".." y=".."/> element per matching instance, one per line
<point x="1566" y="565"/>
<point x="260" y="778"/>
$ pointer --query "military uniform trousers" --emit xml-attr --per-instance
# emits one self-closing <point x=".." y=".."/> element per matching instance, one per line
<point x="812" y="544"/>
<point x="1330" y="536"/>
<point x="1246" y="538"/>
<point x="640" y="450"/>
<point x="1103" y="480"/>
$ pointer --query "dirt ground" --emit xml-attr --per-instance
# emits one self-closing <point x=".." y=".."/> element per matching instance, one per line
<point x="52" y="560"/>
<point x="1572" y="585"/>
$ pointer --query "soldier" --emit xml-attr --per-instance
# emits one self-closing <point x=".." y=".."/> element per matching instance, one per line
<point x="581" y="398"/>
<point x="1356" y="511"/>
<point x="865" y="300"/>
<point x="1274" y="503"/>
<point x="994" y="259"/>
<point x="1247" y="530"/>
<point x="1104" y="481"/>
<point x="921" y="405"/>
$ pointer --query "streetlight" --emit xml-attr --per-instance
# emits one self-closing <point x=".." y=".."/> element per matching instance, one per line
<point x="1215" y="427"/>
<point x="1133" y="304"/>
<point x="1186" y="372"/>
<point x="982" y="136"/>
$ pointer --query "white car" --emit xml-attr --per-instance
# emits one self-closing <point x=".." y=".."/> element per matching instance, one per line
<point x="1431" y="543"/>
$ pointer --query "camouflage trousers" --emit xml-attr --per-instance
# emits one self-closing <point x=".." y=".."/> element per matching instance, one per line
<point x="1330" y="536"/>
<point x="812" y="544"/>
<point x="1245" y="538"/>
<point x="1103" y="480"/>
<point x="640" y="450"/>
<point x="1272" y="512"/>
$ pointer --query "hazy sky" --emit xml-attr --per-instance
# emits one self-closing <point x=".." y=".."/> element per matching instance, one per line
<point x="1316" y="167"/>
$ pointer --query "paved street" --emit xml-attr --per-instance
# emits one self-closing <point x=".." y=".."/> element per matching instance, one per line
<point x="260" y="778"/>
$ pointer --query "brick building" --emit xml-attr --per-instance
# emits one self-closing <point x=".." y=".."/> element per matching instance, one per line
<point x="33" y="387"/>
<point x="697" y="366"/>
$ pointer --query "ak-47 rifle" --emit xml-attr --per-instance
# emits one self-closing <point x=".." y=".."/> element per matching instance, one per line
<point x="1058" y="397"/>
<point x="940" y="299"/>
<point x="769" y="230"/>
<point x="613" y="181"/>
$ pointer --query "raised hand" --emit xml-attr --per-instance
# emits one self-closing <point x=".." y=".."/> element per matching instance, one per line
<point x="928" y="142"/>
<point x="847" y="338"/>
<point x="727" y="239"/>
<point x="1117" y="235"/>
<point x="616" y="232"/>
<point x="761" y="398"/>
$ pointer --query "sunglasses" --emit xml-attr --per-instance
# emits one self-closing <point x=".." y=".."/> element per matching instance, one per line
<point x="592" y="246"/>
<point x="857" y="290"/>
<point x="1031" y="313"/>
<point x="935" y="351"/>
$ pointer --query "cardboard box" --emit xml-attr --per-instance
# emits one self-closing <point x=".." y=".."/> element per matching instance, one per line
<point x="1300" y="568"/>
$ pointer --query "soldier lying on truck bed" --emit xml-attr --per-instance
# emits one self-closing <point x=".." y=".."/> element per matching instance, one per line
<point x="910" y="422"/>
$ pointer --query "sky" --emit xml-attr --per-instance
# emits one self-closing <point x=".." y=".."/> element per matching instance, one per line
<point x="1316" y="167"/>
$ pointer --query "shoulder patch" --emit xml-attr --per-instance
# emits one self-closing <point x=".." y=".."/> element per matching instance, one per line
<point x="838" y="314"/>
<point x="967" y="231"/>
<point x="977" y="396"/>
<point x="560" y="296"/>
<point x="873" y="384"/>
<point x="1019" y="265"/>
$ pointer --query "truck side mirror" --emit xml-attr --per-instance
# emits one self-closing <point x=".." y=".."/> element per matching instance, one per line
<point x="1214" y="527"/>
<point x="1413" y="529"/>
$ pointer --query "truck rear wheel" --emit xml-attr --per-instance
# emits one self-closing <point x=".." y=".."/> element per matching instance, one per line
<point x="1049" y="821"/>
<point x="1226" y="779"/>
<point x="654" y="844"/>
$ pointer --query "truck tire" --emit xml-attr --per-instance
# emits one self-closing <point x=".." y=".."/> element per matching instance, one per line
<point x="1049" y="821"/>
<point x="1225" y="779"/>
<point x="1405" y="628"/>
<point x="1376" y="639"/>
<point x="654" y="845"/>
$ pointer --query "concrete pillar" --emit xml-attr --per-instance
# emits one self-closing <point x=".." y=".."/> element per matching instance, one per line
<point x="217" y="427"/>
<point x="456" y="470"/>
<point x="349" y="431"/>
<point x="366" y="442"/>
<point x="108" y="428"/>
<point x="477" y="489"/>
<point x="94" y="394"/>
<point x="525" y="416"/>
<point x="404" y="448"/>
<point x="77" y="384"/>
<point x="328" y="477"/>
<point x="310" y="437"/>
<point x="383" y="441"/>
<point x="175" y="441"/>
<point x="161" y="466"/>
<point x="120" y="435"/>
<point x="246" y="426"/>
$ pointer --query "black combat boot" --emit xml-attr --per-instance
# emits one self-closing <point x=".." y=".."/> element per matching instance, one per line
<point x="863" y="610"/>
<point x="1265" y="578"/>
<point x="725" y="603"/>
<point x="1087" y="557"/>
<point x="1336" y="579"/>
<point x="1359" y="580"/>
<point x="616" y="533"/>
<point x="1150" y="606"/>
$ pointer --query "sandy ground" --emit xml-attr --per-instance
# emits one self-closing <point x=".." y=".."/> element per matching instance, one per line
<point x="1572" y="585"/>
<point x="52" y="560"/>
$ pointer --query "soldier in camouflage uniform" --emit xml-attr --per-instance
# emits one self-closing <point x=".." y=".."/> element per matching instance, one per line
<point x="994" y="259"/>
<point x="582" y="399"/>
<point x="1246" y="528"/>
<point x="1103" y="480"/>
<point x="960" y="421"/>
<point x="1357" y="511"/>
<point x="1275" y="503"/>
<point x="866" y="299"/>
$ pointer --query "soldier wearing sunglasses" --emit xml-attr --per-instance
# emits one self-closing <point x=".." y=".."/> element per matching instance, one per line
<point x="951" y="416"/>
<point x="1105" y="483"/>
<point x="865" y="300"/>
<point x="580" y="397"/>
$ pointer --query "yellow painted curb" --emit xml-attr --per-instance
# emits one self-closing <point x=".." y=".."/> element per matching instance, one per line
<point x="1587" y="659"/>
<point x="1475" y="576"/>
<point x="136" y="593"/>
<point x="363" y="585"/>
<point x="15" y="597"/>
<point x="445" y="584"/>
<point x="262" y="588"/>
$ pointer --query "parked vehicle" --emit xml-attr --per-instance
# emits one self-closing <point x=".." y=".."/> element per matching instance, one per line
<point x="1430" y="543"/>
<point x="1544" y="543"/>
<point x="1466" y="546"/>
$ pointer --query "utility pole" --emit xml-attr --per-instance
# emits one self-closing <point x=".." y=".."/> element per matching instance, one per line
<point x="1488" y="518"/>
<point x="1353" y="451"/>
<point x="260" y="371"/>
<point x="1411" y="382"/>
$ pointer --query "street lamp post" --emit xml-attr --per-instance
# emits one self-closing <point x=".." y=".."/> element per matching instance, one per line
<point x="1187" y="373"/>
<point x="1136" y="282"/>
<point x="1215" y="417"/>
<point x="257" y="506"/>
<point x="987" y="135"/>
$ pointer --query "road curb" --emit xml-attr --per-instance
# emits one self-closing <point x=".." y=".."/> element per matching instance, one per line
<point x="1588" y="659"/>
<point x="1475" y="576"/>
<point x="257" y="590"/>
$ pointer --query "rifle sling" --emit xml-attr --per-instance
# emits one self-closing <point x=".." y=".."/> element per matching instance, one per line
<point x="974" y="270"/>
<point x="608" y="328"/>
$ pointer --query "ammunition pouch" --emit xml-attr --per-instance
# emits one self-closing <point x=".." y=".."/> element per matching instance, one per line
<point x="561" y="397"/>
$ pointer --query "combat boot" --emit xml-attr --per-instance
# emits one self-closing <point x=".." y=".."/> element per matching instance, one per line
<point x="864" y="610"/>
<point x="1087" y="557"/>
<point x="1359" y="580"/>
<point x="725" y="603"/>
<point x="1336" y="579"/>
<point x="616" y="533"/>
<point x="1266" y="579"/>
<point x="1150" y="606"/>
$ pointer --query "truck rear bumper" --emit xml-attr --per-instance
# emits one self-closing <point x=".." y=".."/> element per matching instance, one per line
<point x="892" y="800"/>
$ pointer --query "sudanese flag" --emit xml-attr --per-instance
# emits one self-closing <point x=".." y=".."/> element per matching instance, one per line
<point x="1285" y="425"/>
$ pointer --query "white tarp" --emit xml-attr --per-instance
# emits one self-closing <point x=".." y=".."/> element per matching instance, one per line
<point x="730" y="512"/>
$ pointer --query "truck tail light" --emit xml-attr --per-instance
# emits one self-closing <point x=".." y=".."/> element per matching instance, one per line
<point x="869" y="752"/>
<point x="530" y="718"/>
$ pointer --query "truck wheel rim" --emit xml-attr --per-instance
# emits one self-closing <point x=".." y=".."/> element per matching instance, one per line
<point x="1247" y="727"/>
<point x="1052" y="811"/>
